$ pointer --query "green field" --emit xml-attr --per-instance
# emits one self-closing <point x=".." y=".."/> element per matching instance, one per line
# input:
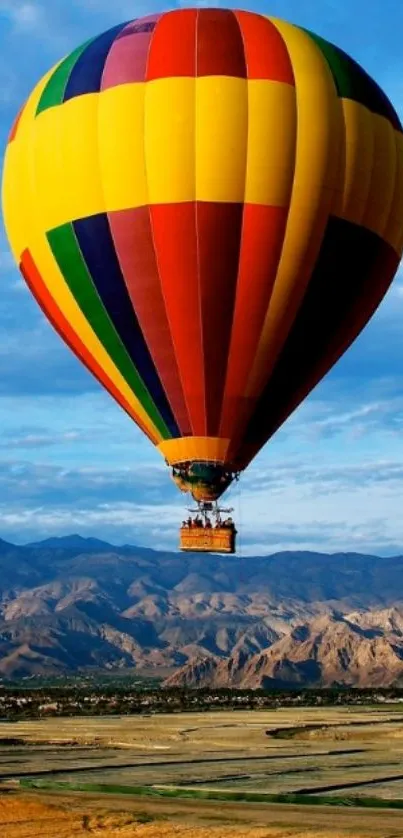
<point x="204" y="794"/>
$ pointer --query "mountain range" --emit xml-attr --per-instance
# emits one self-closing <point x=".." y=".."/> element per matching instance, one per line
<point x="290" y="619"/>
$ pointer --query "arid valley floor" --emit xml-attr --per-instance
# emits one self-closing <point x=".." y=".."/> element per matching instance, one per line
<point x="262" y="774"/>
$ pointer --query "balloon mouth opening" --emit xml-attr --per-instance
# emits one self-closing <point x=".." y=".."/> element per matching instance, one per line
<point x="205" y="481"/>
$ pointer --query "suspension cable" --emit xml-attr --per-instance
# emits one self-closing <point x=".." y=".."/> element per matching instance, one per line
<point x="239" y="523"/>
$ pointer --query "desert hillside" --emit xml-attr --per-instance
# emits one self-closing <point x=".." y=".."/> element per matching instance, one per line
<point x="74" y="604"/>
<point x="360" y="649"/>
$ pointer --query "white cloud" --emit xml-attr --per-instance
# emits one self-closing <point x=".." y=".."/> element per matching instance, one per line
<point x="22" y="15"/>
<point x="326" y="419"/>
<point x="43" y="440"/>
<point x="28" y="15"/>
<point x="316" y="507"/>
<point x="50" y="24"/>
<point x="119" y="522"/>
<point x="296" y="505"/>
<point x="84" y="466"/>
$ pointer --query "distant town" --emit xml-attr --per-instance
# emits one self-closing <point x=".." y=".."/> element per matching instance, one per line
<point x="84" y="696"/>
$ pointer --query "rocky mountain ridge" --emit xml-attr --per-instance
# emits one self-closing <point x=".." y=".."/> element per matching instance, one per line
<point x="361" y="649"/>
<point x="74" y="604"/>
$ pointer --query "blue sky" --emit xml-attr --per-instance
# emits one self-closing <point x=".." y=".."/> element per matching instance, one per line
<point x="71" y="461"/>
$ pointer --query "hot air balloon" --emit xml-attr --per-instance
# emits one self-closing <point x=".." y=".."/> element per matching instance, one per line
<point x="208" y="207"/>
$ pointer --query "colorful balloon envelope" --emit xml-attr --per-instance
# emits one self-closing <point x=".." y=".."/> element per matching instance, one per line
<point x="208" y="207"/>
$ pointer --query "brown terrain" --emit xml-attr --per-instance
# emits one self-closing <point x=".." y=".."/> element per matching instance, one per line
<point x="353" y="753"/>
<point x="27" y="816"/>
<point x="361" y="649"/>
<point x="74" y="604"/>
